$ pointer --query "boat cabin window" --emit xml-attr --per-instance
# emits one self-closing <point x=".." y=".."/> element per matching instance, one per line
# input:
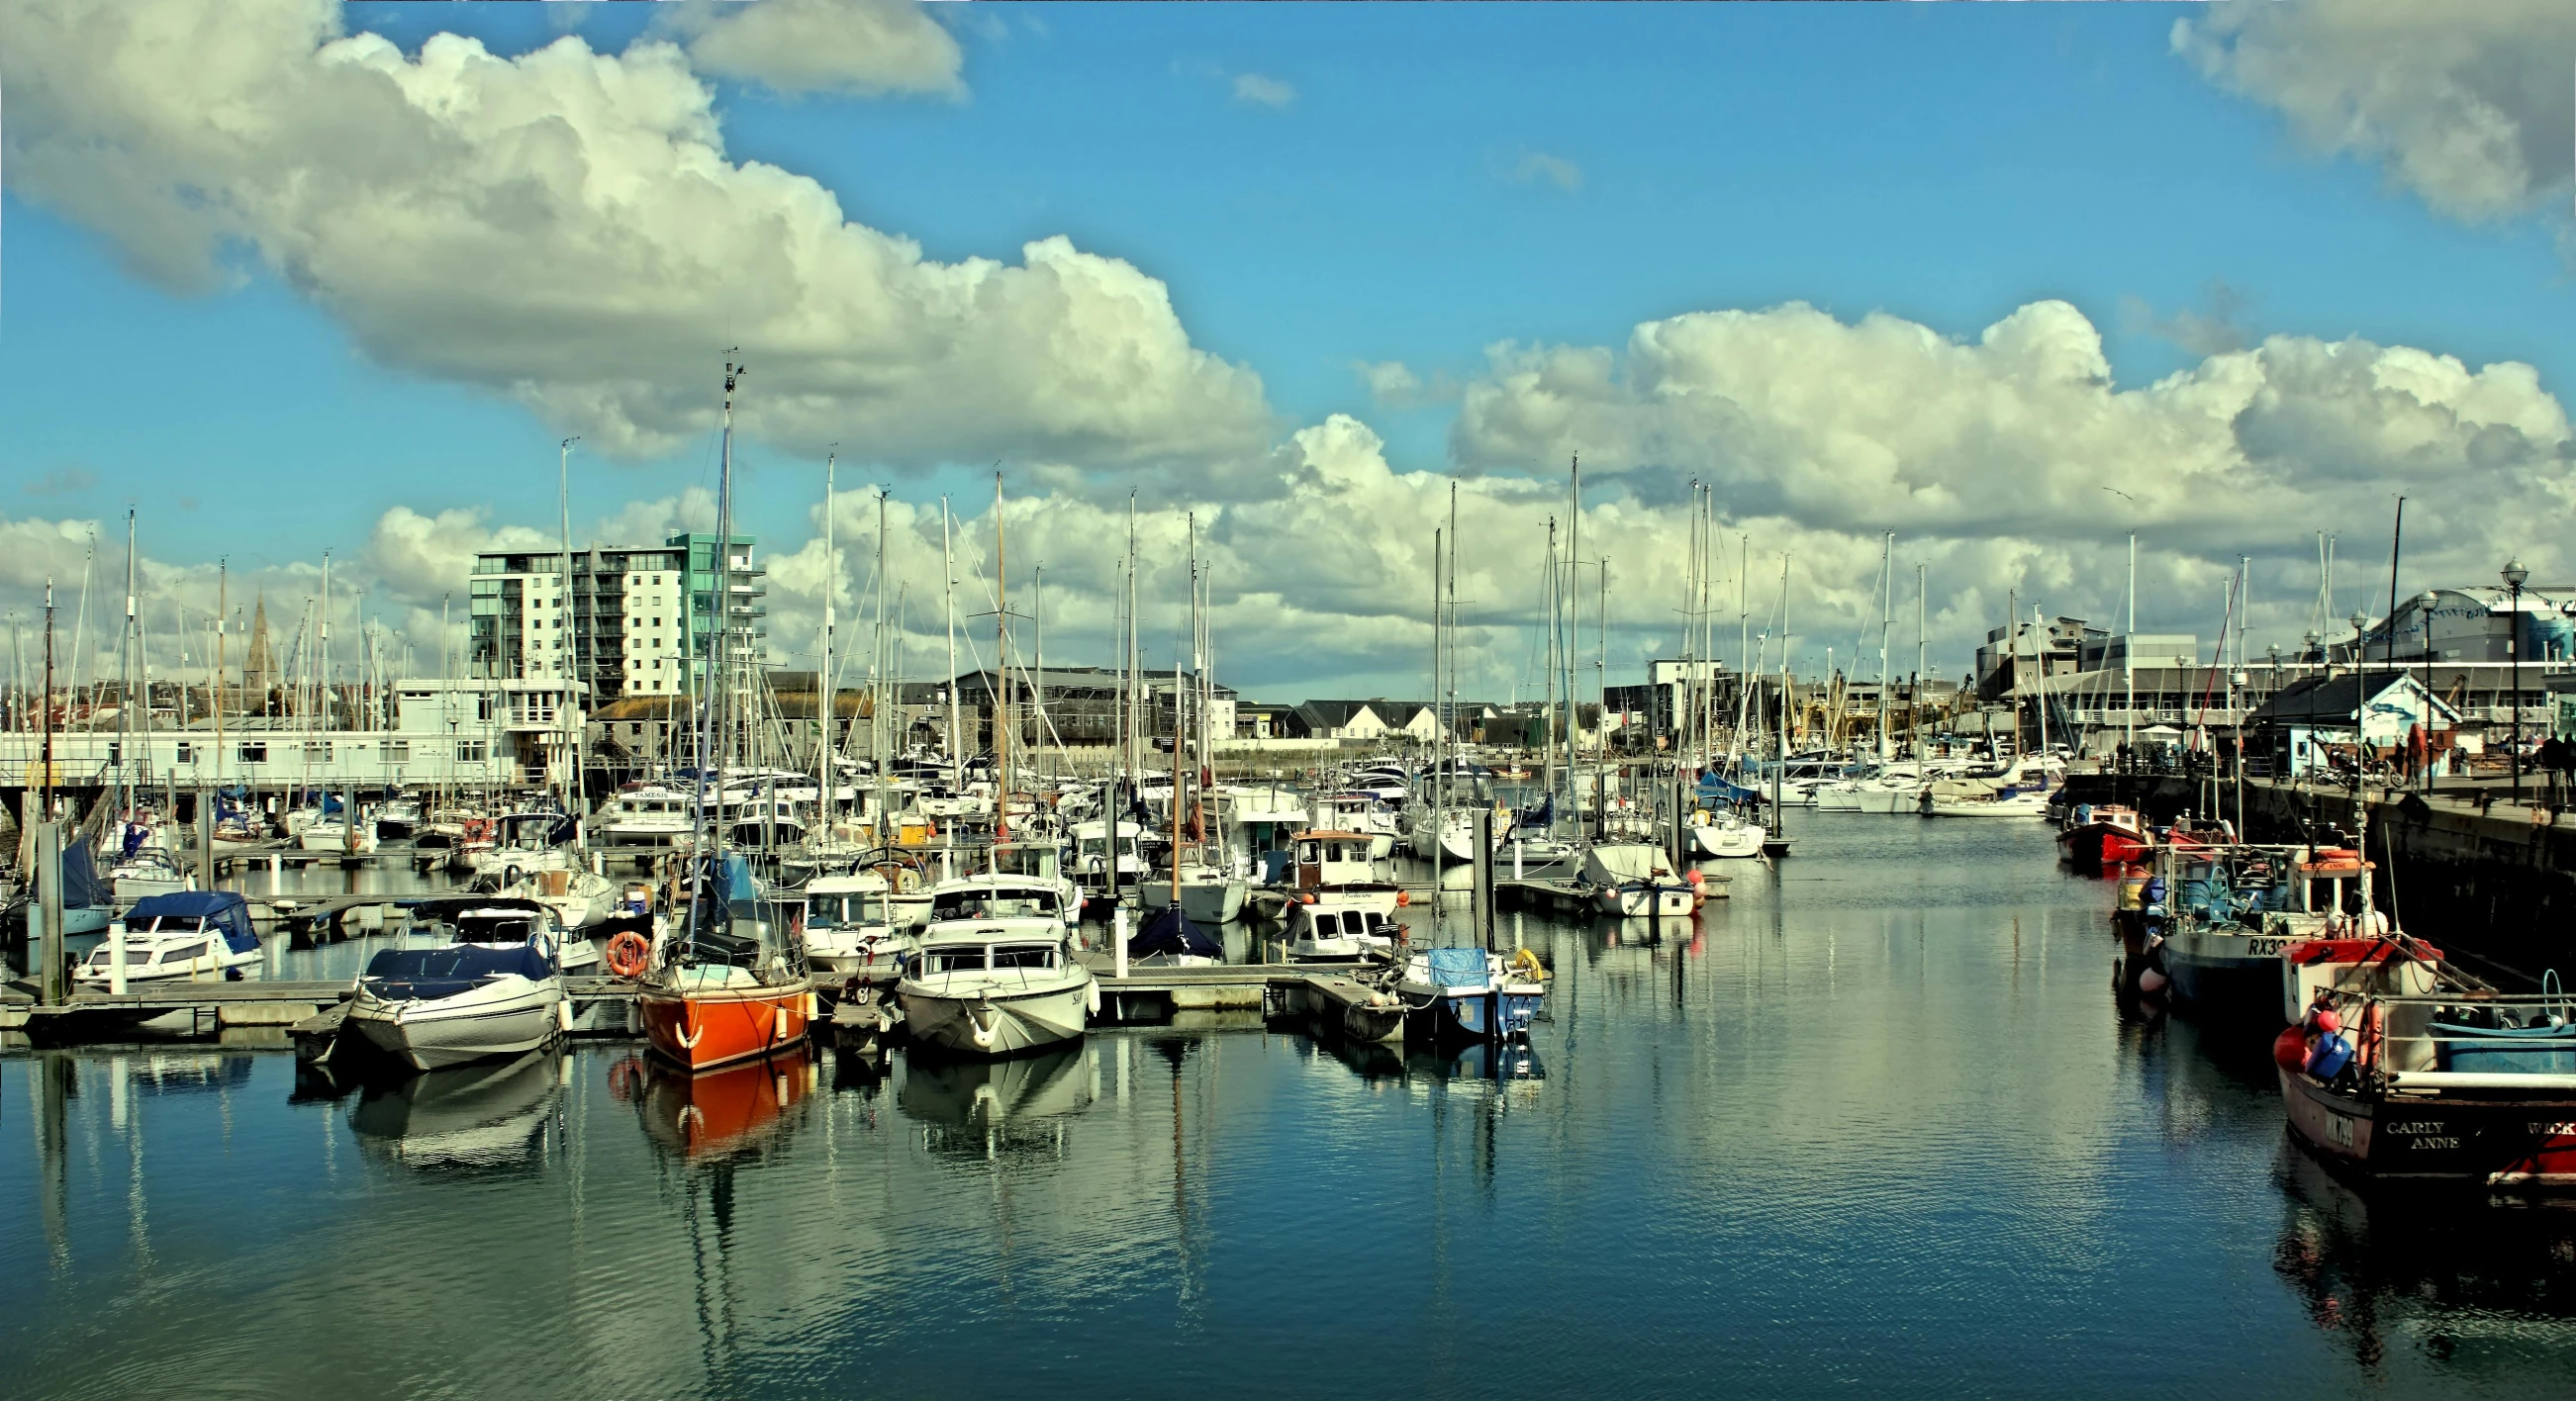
<point x="183" y="953"/>
<point x="1024" y="956"/>
<point x="491" y="929"/>
<point x="1308" y="853"/>
<point x="1007" y="902"/>
<point x="855" y="907"/>
<point x="953" y="960"/>
<point x="1328" y="924"/>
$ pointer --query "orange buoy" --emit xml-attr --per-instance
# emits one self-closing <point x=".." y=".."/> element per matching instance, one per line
<point x="2290" y="1049"/>
<point x="629" y="954"/>
<point x="1404" y="897"/>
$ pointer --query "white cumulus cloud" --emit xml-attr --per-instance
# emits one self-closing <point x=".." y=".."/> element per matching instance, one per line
<point x="565" y="228"/>
<point x="2470" y="105"/>
<point x="1261" y="90"/>
<point x="862" y="48"/>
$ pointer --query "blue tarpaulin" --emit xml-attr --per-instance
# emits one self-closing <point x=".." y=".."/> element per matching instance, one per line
<point x="1714" y="788"/>
<point x="1452" y="968"/>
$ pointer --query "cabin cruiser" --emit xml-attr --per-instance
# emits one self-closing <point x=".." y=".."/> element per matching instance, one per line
<point x="336" y="831"/>
<point x="495" y="989"/>
<point x="1633" y="880"/>
<point x="398" y="818"/>
<point x="148" y="871"/>
<point x="579" y="899"/>
<point x="993" y="895"/>
<point x="190" y="935"/>
<point x="519" y="841"/>
<point x="850" y="926"/>
<point x="1096" y="868"/>
<point x="994" y="987"/>
<point x="1039" y="861"/>
<point x="1334" y="870"/>
<point x="646" y="813"/>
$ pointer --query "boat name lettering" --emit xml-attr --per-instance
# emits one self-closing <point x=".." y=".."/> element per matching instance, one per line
<point x="2339" y="1130"/>
<point x="2268" y="947"/>
<point x="2558" y="1130"/>
<point x="2418" y="1126"/>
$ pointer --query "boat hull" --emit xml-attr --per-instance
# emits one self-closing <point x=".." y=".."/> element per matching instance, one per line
<point x="1723" y="843"/>
<point x="698" y="1028"/>
<point x="1204" y="902"/>
<point x="2226" y="986"/>
<point x="2499" y="1141"/>
<point x="998" y="1024"/>
<point x="435" y="1033"/>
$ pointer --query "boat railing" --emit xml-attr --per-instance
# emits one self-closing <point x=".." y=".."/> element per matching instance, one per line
<point x="2460" y="1039"/>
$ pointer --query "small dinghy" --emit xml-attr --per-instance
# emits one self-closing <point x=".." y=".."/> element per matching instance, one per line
<point x="496" y="990"/>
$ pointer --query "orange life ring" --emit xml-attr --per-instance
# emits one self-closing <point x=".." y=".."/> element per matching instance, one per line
<point x="629" y="954"/>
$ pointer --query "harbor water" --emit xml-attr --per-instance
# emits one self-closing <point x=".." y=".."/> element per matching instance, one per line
<point x="1875" y="1124"/>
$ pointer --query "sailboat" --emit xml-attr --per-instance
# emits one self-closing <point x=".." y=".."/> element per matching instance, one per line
<point x="736" y="985"/>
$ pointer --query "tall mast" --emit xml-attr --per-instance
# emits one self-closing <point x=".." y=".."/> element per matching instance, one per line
<point x="1549" y="592"/>
<point x="1573" y="611"/>
<point x="572" y="648"/>
<point x="1439" y="815"/>
<point x="125" y="712"/>
<point x="1001" y="669"/>
<point x="1886" y="617"/>
<point x="1451" y="726"/>
<point x="827" y="709"/>
<point x="948" y="603"/>
<point x="2129" y="653"/>
<point x="322" y="662"/>
<point x="720" y="704"/>
<point x="1037" y="650"/>
<point x="1922" y="618"/>
<point x="884" y="690"/>
<point x="223" y="605"/>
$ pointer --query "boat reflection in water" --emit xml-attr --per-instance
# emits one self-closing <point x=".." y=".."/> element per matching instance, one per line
<point x="481" y="1117"/>
<point x="723" y="1113"/>
<point x="993" y="1108"/>
<point x="2436" y="1266"/>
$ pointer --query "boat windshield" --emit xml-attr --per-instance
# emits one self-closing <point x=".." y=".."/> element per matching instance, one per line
<point x="1024" y="956"/>
<point x="1003" y="902"/>
<point x="852" y="907"/>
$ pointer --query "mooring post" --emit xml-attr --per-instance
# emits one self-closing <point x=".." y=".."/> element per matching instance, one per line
<point x="1483" y="892"/>
<point x="1118" y="933"/>
<point x="49" y="912"/>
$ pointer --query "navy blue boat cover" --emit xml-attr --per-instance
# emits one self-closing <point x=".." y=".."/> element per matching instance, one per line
<point x="443" y="972"/>
<point x="82" y="888"/>
<point x="1170" y="931"/>
<point x="221" y="908"/>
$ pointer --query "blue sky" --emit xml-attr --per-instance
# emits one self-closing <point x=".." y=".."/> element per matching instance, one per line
<point x="1945" y="164"/>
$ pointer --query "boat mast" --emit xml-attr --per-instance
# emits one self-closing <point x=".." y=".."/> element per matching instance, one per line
<point x="573" y="796"/>
<point x="710" y="837"/>
<point x="948" y="597"/>
<point x="1922" y="617"/>
<point x="1450" y="733"/>
<point x="1552" y="619"/>
<point x="2129" y="654"/>
<point x="1001" y="669"/>
<point x="125" y="712"/>
<point x="827" y="710"/>
<point x="884" y="691"/>
<point x="1886" y="617"/>
<point x="1573" y="618"/>
<point x="1439" y="815"/>
<point x="223" y="583"/>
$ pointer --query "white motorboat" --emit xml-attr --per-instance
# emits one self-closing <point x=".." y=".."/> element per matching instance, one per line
<point x="336" y="833"/>
<point x="151" y="870"/>
<point x="2006" y="803"/>
<point x="1042" y="862"/>
<point x="190" y="935"/>
<point x="578" y="896"/>
<point x="992" y="896"/>
<point x="996" y="987"/>
<point x="1096" y="866"/>
<point x="850" y="926"/>
<point x="496" y="990"/>
<point x="1361" y="812"/>
<point x="1454" y="831"/>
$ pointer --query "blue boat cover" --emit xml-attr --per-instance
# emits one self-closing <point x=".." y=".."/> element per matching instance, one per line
<point x="1452" y="968"/>
<point x="221" y="908"/>
<point x="444" y="972"/>
<point x="1171" y="932"/>
<point x="2527" y="1050"/>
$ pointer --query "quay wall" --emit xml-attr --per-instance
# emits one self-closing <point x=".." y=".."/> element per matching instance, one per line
<point x="2499" y="885"/>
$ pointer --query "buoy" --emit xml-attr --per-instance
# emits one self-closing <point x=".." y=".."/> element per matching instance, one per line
<point x="2290" y="1049"/>
<point x="2329" y="1021"/>
<point x="2152" y="982"/>
<point x="1404" y="897"/>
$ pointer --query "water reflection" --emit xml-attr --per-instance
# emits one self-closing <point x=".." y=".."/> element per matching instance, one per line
<point x="481" y="1118"/>
<point x="993" y="1109"/>
<point x="717" y="1115"/>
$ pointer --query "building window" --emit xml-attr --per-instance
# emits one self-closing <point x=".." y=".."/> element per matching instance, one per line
<point x="472" y="751"/>
<point x="397" y="751"/>
<point x="187" y="753"/>
<point x="254" y="753"/>
<point x="317" y="751"/>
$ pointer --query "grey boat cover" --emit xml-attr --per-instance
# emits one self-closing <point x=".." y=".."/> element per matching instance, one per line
<point x="1627" y="861"/>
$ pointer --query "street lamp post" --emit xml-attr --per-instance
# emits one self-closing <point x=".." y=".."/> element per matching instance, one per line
<point x="2514" y="576"/>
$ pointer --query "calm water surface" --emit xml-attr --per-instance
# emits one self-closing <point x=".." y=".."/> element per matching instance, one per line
<point x="1874" y="1123"/>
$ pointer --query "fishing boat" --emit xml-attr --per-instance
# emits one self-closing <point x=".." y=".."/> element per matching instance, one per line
<point x="184" y="936"/>
<point x="644" y="814"/>
<point x="1339" y="933"/>
<point x="2417" y="1074"/>
<point x="1361" y="812"/>
<point x="1339" y="870"/>
<point x="1632" y="880"/>
<point x="1451" y="994"/>
<point x="996" y="987"/>
<point x="2104" y="834"/>
<point x="494" y="989"/>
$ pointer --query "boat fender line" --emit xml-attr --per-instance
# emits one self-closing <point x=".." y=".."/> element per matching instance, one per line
<point x="563" y="1014"/>
<point x="779" y="1024"/>
<point x="983" y="1034"/>
<point x="1092" y="996"/>
<point x="688" y="1041"/>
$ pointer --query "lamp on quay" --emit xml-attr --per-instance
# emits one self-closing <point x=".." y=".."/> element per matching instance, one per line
<point x="2425" y="603"/>
<point x="2514" y="576"/>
